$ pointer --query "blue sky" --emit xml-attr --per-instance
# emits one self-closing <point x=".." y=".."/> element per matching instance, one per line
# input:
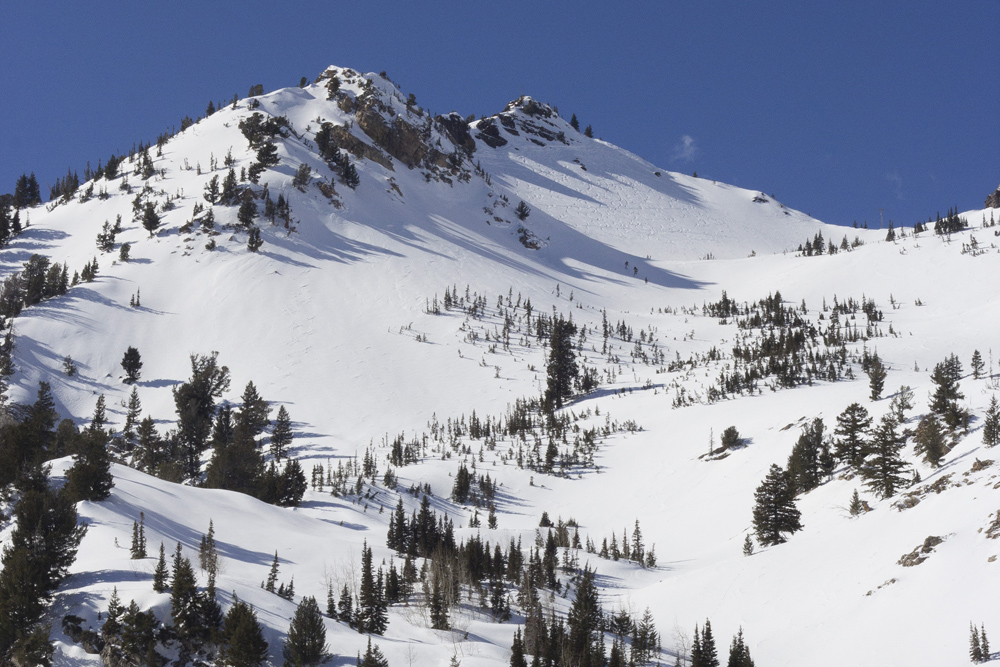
<point x="838" y="109"/>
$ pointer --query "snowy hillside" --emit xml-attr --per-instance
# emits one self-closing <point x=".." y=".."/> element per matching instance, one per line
<point x="400" y="307"/>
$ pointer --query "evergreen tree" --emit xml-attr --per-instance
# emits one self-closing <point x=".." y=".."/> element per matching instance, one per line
<point x="984" y="643"/>
<point x="991" y="424"/>
<point x="305" y="645"/>
<point x="804" y="461"/>
<point x="272" y="575"/>
<point x="150" y="219"/>
<point x="929" y="440"/>
<point x="242" y="641"/>
<point x="437" y="606"/>
<point x="574" y="123"/>
<point x="160" y="573"/>
<point x="883" y="466"/>
<point x="254" y="240"/>
<point x="975" y="650"/>
<point x="588" y="132"/>
<point x="132" y="363"/>
<point x="350" y="175"/>
<point x="709" y="654"/>
<point x="133" y="410"/>
<point x="876" y="377"/>
<point x="90" y="477"/>
<point x="255" y="412"/>
<point x="739" y="654"/>
<point x="247" y="211"/>
<point x="195" y="403"/>
<point x="281" y="436"/>
<point x="584" y="624"/>
<point x="185" y="603"/>
<point x="373" y="657"/>
<point x="748" y="545"/>
<point x="852" y="426"/>
<point x="522" y="211"/>
<point x="945" y="399"/>
<point x="561" y="367"/>
<point x="774" y="511"/>
<point x="138" y="549"/>
<point x="517" y="658"/>
<point x="977" y="364"/>
<point x="856" y="507"/>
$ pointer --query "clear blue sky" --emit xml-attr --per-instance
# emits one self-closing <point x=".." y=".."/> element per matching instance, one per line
<point x="838" y="109"/>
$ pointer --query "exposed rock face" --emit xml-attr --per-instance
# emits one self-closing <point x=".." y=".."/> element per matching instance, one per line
<point x="343" y="138"/>
<point x="536" y="122"/>
<point x="993" y="201"/>
<point x="454" y="127"/>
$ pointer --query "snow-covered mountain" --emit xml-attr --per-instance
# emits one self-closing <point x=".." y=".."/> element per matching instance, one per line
<point x="342" y="317"/>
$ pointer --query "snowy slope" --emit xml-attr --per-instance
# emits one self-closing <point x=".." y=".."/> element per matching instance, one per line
<point x="330" y="319"/>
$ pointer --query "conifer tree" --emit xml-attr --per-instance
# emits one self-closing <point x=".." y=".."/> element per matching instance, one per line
<point x="517" y="658"/>
<point x="991" y="424"/>
<point x="132" y="364"/>
<point x="133" y="410"/>
<point x="709" y="654"/>
<point x="944" y="400"/>
<point x="90" y="477"/>
<point x="856" y="507"/>
<point x="574" y="123"/>
<point x="929" y="440"/>
<point x="739" y="654"/>
<point x="975" y="650"/>
<point x="876" y="377"/>
<point x="561" y="366"/>
<point x="748" y="545"/>
<point x="160" y="573"/>
<point x="281" y="435"/>
<point x="242" y="640"/>
<point x="305" y="644"/>
<point x="255" y="412"/>
<point x="150" y="219"/>
<point x="254" y="240"/>
<point x="373" y="657"/>
<point x="883" y="466"/>
<point x="984" y="643"/>
<point x="977" y="364"/>
<point x="774" y="511"/>
<point x="272" y="575"/>
<point x="584" y="623"/>
<point x="350" y="175"/>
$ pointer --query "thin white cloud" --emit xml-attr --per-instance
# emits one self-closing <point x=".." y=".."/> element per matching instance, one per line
<point x="686" y="149"/>
<point x="894" y="178"/>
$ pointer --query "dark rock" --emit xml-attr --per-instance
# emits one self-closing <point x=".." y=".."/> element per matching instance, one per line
<point x="993" y="201"/>
<point x="489" y="134"/>
<point x="454" y="127"/>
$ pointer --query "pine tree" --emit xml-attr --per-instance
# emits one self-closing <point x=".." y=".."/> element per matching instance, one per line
<point x="984" y="643"/>
<point x="350" y="175"/>
<point x="584" y="623"/>
<point x="804" y="461"/>
<point x="281" y="435"/>
<point x="748" y="545"/>
<point x="90" y="477"/>
<point x="522" y="211"/>
<point x="160" y="573"/>
<point x="133" y="410"/>
<point x="517" y="658"/>
<point x="929" y="440"/>
<point x="574" y="123"/>
<point x="991" y="424"/>
<point x="373" y="657"/>
<point x="254" y="240"/>
<point x="150" y="219"/>
<point x="247" y="211"/>
<point x="883" y="466"/>
<point x="774" y="511"/>
<point x="856" y="507"/>
<point x="977" y="364"/>
<point x="272" y="575"/>
<point x="588" y="132"/>
<point x="132" y="364"/>
<point x="876" y="377"/>
<point x="138" y="548"/>
<point x="709" y="654"/>
<point x="975" y="649"/>
<point x="255" y="412"/>
<point x="305" y="645"/>
<point x="208" y="554"/>
<point x="739" y="654"/>
<point x="242" y="640"/>
<point x="852" y="425"/>
<point x="561" y="366"/>
<point x="944" y="400"/>
<point x="185" y="603"/>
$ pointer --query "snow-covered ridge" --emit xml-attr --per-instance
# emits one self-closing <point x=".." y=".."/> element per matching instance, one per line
<point x="334" y="318"/>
